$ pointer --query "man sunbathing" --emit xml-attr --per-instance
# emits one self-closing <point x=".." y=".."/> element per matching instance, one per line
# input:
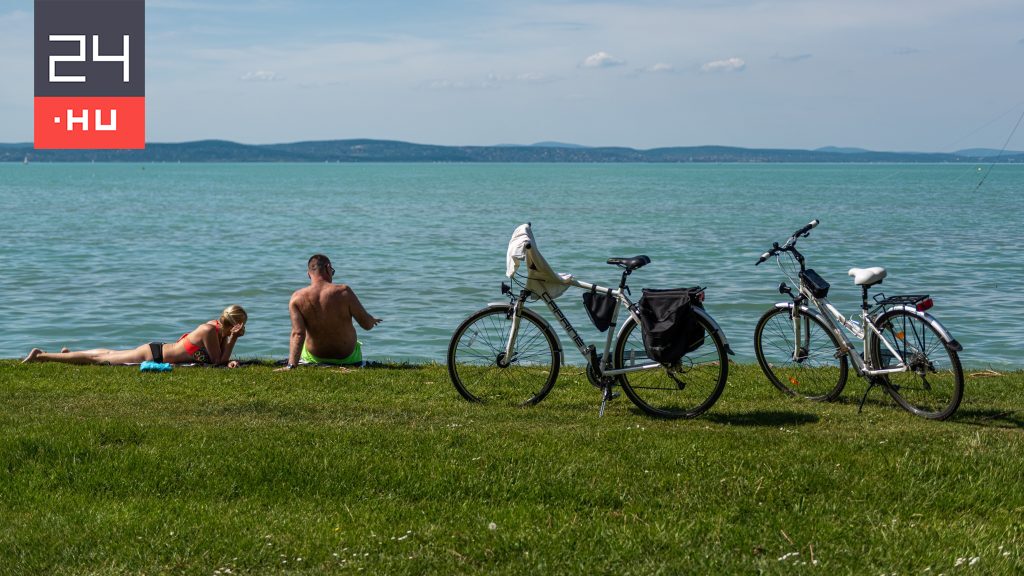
<point x="322" y="315"/>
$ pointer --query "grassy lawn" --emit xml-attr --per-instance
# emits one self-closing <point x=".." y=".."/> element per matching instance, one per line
<point x="388" y="470"/>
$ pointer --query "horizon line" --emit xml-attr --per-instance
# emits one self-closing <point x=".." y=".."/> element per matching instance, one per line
<point x="558" y="144"/>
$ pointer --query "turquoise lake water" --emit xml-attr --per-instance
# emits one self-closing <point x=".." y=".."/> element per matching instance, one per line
<point x="114" y="255"/>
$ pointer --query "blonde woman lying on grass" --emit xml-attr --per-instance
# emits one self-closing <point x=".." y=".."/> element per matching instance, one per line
<point x="210" y="343"/>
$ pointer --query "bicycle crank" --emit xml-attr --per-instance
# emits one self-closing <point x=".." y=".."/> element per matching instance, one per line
<point x="596" y="381"/>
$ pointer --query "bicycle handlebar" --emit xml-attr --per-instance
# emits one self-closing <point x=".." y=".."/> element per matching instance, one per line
<point x="789" y="243"/>
<point x="810" y="225"/>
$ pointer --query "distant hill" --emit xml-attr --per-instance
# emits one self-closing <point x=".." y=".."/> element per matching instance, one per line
<point x="551" y="144"/>
<point x="986" y="152"/>
<point x="837" y="150"/>
<point x="548" y="144"/>
<point x="366" y="150"/>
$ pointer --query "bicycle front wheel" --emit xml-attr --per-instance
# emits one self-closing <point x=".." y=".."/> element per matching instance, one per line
<point x="933" y="384"/>
<point x="812" y="368"/>
<point x="480" y="370"/>
<point x="684" y="390"/>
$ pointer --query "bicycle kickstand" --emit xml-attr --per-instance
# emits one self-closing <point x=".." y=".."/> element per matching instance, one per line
<point x="872" y="382"/>
<point x="606" y="395"/>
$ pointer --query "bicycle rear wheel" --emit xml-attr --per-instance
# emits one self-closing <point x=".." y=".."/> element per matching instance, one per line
<point x="815" y="370"/>
<point x="481" y="373"/>
<point x="933" y="384"/>
<point x="685" y="390"/>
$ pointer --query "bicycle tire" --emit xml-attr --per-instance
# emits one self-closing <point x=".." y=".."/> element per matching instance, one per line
<point x="477" y="348"/>
<point x="685" y="391"/>
<point x="820" y="372"/>
<point x="933" y="385"/>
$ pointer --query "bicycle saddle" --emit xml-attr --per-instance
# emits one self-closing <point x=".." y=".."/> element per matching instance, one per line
<point x="867" y="276"/>
<point x="630" y="263"/>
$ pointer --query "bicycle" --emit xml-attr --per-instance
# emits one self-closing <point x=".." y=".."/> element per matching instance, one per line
<point x="506" y="352"/>
<point x="906" y="351"/>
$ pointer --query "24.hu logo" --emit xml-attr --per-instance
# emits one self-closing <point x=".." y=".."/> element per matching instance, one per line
<point x="90" y="76"/>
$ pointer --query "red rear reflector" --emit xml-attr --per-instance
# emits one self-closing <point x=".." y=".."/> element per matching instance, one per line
<point x="925" y="304"/>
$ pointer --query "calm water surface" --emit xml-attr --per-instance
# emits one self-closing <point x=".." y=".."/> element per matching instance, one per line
<point x="115" y="255"/>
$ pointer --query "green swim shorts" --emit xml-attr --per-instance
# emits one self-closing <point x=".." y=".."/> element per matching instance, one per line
<point x="355" y="358"/>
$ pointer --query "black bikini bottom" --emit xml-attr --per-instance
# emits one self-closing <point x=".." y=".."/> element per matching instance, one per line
<point x="157" y="348"/>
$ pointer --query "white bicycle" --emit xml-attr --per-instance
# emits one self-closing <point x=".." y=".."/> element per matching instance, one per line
<point x="906" y="351"/>
<point x="507" y="353"/>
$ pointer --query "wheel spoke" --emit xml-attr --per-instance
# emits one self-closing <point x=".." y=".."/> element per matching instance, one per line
<point x="932" y="385"/>
<point x="819" y="373"/>
<point x="702" y="374"/>
<point x="524" y="378"/>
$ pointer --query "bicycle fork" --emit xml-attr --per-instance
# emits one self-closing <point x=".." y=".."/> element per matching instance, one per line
<point x="515" y="312"/>
<point x="801" y="334"/>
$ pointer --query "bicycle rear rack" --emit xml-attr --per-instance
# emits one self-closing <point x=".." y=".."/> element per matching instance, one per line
<point x="920" y="302"/>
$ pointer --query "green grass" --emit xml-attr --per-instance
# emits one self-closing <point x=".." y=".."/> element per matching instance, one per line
<point x="112" y="471"/>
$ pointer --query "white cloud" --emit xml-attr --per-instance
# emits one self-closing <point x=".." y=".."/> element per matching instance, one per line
<point x="525" y="77"/>
<point x="728" y="65"/>
<point x="491" y="81"/>
<point x="659" y="68"/>
<point x="794" y="58"/>
<point x="534" y="78"/>
<point x="601" y="60"/>
<point x="261" y="76"/>
<point x="444" y="84"/>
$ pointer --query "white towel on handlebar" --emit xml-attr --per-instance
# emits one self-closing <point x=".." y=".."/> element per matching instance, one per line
<point x="540" y="277"/>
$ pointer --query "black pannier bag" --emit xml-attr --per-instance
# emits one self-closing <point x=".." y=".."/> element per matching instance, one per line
<point x="819" y="287"/>
<point x="670" y="326"/>
<point x="600" y="308"/>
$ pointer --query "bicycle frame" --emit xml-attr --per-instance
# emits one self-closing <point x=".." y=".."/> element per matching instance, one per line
<point x="603" y="368"/>
<point x="831" y="315"/>
<point x="802" y="344"/>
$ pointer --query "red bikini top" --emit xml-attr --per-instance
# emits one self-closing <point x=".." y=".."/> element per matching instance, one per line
<point x="191" y="348"/>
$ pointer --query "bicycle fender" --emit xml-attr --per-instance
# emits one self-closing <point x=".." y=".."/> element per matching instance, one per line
<point x="926" y="317"/>
<point x="714" y="325"/>
<point x="620" y="331"/>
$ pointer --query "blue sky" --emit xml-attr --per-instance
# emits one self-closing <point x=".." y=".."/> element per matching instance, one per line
<point x="929" y="75"/>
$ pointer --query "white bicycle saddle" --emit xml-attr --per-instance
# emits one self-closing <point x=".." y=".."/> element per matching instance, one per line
<point x="867" y="276"/>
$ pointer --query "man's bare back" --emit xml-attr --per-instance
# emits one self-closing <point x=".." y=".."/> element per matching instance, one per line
<point x="322" y="315"/>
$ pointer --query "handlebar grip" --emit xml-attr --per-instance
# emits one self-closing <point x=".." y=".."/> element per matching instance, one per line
<point x="763" y="257"/>
<point x="810" y="225"/>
